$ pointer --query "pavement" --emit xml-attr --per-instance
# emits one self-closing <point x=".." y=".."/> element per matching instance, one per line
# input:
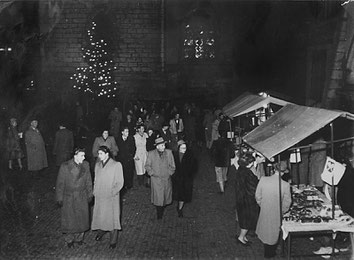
<point x="30" y="224"/>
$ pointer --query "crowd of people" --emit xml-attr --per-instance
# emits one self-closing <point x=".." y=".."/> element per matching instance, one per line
<point x="154" y="146"/>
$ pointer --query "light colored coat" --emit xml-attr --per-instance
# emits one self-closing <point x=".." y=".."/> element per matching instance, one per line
<point x="108" y="183"/>
<point x="140" y="153"/>
<point x="173" y="126"/>
<point x="36" y="153"/>
<point x="267" y="197"/>
<point x="110" y="142"/>
<point x="160" y="168"/>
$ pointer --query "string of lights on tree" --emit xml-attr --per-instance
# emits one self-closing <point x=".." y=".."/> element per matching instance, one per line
<point x="97" y="77"/>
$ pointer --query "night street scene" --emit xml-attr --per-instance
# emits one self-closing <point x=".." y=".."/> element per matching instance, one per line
<point x="176" y="129"/>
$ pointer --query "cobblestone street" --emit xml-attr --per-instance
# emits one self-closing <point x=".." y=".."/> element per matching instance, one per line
<point x="30" y="228"/>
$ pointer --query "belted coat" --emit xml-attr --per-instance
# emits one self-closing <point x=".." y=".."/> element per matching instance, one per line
<point x="160" y="168"/>
<point x="108" y="183"/>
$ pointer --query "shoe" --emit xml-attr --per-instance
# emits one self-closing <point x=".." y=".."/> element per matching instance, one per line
<point x="242" y="243"/>
<point x="220" y="192"/>
<point x="112" y="246"/>
<point x="80" y="243"/>
<point x="180" y="213"/>
<point x="70" y="244"/>
<point x="99" y="237"/>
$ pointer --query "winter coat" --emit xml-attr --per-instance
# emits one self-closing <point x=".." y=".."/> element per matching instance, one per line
<point x="13" y="147"/>
<point x="182" y="179"/>
<point x="246" y="205"/>
<point x="35" y="147"/>
<point x="63" y="146"/>
<point x="174" y="128"/>
<point x="116" y="118"/>
<point x="141" y="153"/>
<point x="108" y="183"/>
<point x="222" y="151"/>
<point x="74" y="189"/>
<point x="160" y="168"/>
<point x="267" y="196"/>
<point x="110" y="142"/>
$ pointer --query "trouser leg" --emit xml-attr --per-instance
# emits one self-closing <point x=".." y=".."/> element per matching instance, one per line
<point x="269" y="250"/>
<point x="159" y="211"/>
<point x="113" y="236"/>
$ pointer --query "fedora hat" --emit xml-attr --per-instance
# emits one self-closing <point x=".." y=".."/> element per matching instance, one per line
<point x="159" y="140"/>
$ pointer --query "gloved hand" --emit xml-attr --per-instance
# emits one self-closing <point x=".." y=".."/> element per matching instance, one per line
<point x="60" y="203"/>
<point x="89" y="199"/>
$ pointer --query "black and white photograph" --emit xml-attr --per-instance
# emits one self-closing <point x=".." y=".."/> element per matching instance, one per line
<point x="176" y="129"/>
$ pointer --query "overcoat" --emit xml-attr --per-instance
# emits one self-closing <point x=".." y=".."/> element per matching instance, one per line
<point x="140" y="153"/>
<point x="35" y="147"/>
<point x="160" y="168"/>
<point x="125" y="156"/>
<point x="108" y="183"/>
<point x="74" y="189"/>
<point x="13" y="146"/>
<point x="267" y="196"/>
<point x="110" y="142"/>
<point x="222" y="151"/>
<point x="182" y="179"/>
<point x="63" y="145"/>
<point x="246" y="205"/>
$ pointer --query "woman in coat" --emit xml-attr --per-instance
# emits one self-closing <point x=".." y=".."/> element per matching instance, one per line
<point x="13" y="147"/>
<point x="108" y="183"/>
<point x="140" y="154"/>
<point x="182" y="180"/>
<point x="267" y="196"/>
<point x="160" y="165"/>
<point x="104" y="140"/>
<point x="246" y="205"/>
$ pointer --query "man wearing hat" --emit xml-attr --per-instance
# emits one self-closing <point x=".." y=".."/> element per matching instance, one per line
<point x="160" y="165"/>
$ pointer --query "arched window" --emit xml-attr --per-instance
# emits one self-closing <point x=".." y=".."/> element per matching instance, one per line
<point x="199" y="34"/>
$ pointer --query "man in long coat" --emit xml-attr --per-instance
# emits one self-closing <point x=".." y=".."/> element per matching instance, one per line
<point x="127" y="149"/>
<point x="267" y="197"/>
<point x="63" y="145"/>
<point x="73" y="194"/>
<point x="108" y="183"/>
<point x="160" y="165"/>
<point x="35" y="147"/>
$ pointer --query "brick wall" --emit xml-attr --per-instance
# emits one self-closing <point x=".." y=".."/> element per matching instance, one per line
<point x="138" y="54"/>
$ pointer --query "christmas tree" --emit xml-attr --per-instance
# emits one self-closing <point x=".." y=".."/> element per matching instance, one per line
<point x="97" y="77"/>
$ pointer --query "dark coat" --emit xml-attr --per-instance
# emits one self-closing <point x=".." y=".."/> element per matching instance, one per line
<point x="222" y="151"/>
<point x="74" y="189"/>
<point x="346" y="191"/>
<point x="63" y="146"/>
<point x="246" y="204"/>
<point x="125" y="156"/>
<point x="13" y="146"/>
<point x="182" y="180"/>
<point x="167" y="137"/>
<point x="36" y="153"/>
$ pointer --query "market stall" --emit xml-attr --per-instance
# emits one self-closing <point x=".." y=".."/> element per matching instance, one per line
<point x="255" y="109"/>
<point x="311" y="210"/>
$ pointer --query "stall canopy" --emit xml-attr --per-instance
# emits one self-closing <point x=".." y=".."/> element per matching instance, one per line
<point x="249" y="102"/>
<point x="288" y="126"/>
